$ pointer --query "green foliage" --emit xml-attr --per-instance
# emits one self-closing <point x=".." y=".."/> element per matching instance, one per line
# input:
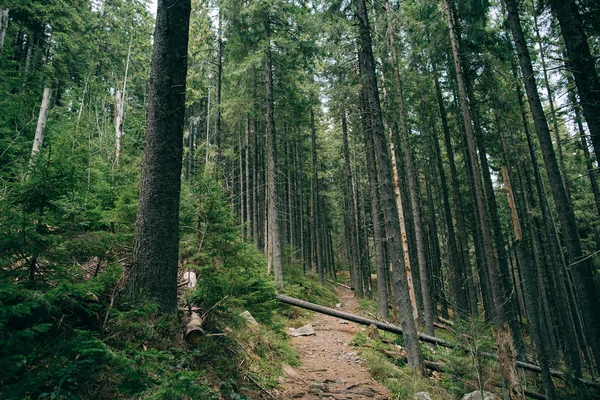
<point x="469" y="370"/>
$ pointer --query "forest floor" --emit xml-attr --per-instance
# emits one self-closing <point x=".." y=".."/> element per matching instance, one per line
<point x="331" y="367"/>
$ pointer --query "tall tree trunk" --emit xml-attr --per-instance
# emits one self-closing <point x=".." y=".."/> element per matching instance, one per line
<point x="156" y="241"/>
<point x="490" y="257"/>
<point x="561" y="160"/>
<point x="413" y="188"/>
<point x="249" y="197"/>
<point x="274" y="248"/>
<point x="300" y="196"/>
<point x="118" y="125"/>
<point x="507" y="295"/>
<point x="572" y="356"/>
<point x="413" y="350"/>
<point x="316" y="236"/>
<point x="349" y="217"/>
<point x="532" y="298"/>
<point x="463" y="267"/>
<point x="218" y="84"/>
<point x="41" y="124"/>
<point x="3" y="26"/>
<point x="583" y="66"/>
<point x="377" y="226"/>
<point x="581" y="267"/>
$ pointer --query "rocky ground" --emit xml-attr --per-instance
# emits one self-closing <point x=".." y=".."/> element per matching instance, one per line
<point x="331" y="368"/>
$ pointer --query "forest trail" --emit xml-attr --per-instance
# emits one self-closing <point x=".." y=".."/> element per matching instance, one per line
<point x="331" y="368"/>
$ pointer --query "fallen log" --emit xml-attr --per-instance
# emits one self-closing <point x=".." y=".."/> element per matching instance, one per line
<point x="339" y="284"/>
<point x="193" y="329"/>
<point x="423" y="337"/>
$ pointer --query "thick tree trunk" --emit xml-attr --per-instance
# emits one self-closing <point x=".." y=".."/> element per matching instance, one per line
<point x="411" y="340"/>
<point x="378" y="235"/>
<point x="581" y="267"/>
<point x="41" y="124"/>
<point x="400" y="207"/>
<point x="274" y="248"/>
<point x="156" y="242"/>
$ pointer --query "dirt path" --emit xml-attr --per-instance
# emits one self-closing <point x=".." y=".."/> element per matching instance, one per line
<point x="331" y="368"/>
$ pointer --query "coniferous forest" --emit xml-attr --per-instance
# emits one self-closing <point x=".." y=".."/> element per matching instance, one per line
<point x="172" y="173"/>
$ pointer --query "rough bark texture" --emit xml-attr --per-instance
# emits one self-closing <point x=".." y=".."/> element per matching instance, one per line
<point x="377" y="226"/>
<point x="399" y="281"/>
<point x="156" y="243"/>
<point x="582" y="268"/>
<point x="413" y="189"/>
<point x="274" y="248"/>
<point x="41" y="124"/>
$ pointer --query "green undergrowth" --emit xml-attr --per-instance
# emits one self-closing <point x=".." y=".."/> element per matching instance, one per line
<point x="304" y="286"/>
<point x="68" y="330"/>
<point x="463" y="370"/>
<point x="54" y="344"/>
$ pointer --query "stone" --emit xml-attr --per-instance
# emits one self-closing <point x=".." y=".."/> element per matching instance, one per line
<point x="422" y="396"/>
<point x="306" y="330"/>
<point x="249" y="318"/>
<point x="476" y="395"/>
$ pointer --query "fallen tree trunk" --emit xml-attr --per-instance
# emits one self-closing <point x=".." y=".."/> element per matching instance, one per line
<point x="423" y="337"/>
<point x="193" y="329"/>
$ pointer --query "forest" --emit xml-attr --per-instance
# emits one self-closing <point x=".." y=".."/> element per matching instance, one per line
<point x="172" y="171"/>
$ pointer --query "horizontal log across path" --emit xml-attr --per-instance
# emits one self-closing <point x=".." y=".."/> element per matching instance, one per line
<point x="384" y="326"/>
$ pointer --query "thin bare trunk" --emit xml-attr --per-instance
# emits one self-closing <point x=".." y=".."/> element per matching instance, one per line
<point x="3" y="26"/>
<point x="41" y="124"/>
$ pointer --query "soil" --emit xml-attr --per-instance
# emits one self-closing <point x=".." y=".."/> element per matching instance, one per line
<point x="331" y="367"/>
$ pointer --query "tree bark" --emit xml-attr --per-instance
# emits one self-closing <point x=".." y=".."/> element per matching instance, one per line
<point x="316" y="236"/>
<point x="274" y="248"/>
<point x="218" y="84"/>
<point x="3" y="26"/>
<point x="400" y="284"/>
<point x="118" y="125"/>
<point x="581" y="267"/>
<point x="582" y="64"/>
<point x="41" y="124"/>
<point x="413" y="188"/>
<point x="156" y="242"/>
<point x="490" y="257"/>
<point x="377" y="226"/>
<point x="464" y="274"/>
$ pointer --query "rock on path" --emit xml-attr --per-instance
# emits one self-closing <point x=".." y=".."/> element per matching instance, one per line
<point x="331" y="368"/>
